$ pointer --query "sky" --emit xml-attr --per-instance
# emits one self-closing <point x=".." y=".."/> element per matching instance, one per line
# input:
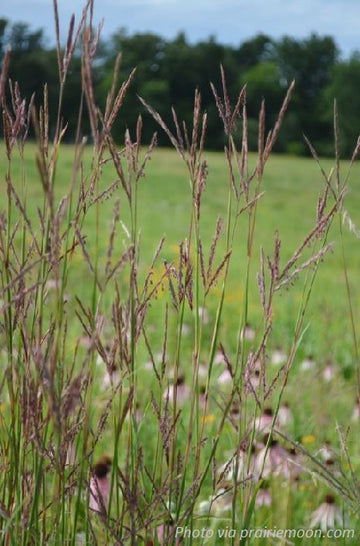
<point x="229" y="21"/>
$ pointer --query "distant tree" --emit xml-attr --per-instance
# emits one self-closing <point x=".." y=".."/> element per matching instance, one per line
<point x="3" y="25"/>
<point x="310" y="62"/>
<point x="145" y="52"/>
<point x="168" y="71"/>
<point x="21" y="38"/>
<point x="262" y="83"/>
<point x="344" y="87"/>
<point x="257" y="50"/>
<point x="194" y="66"/>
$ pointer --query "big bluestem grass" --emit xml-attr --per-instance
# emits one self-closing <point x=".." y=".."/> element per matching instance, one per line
<point x="76" y="385"/>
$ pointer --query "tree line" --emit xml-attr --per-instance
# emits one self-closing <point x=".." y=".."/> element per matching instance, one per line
<point x="168" y="71"/>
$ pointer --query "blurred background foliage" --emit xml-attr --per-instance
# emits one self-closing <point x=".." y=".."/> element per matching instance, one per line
<point x="168" y="71"/>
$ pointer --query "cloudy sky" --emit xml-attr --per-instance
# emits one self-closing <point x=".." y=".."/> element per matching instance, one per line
<point x="230" y="21"/>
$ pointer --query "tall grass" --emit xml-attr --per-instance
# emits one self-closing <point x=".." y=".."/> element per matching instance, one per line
<point x="107" y="435"/>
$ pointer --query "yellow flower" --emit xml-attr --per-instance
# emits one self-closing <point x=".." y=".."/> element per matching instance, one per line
<point x="308" y="439"/>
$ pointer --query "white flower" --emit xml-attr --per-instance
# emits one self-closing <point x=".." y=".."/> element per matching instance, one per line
<point x="327" y="516"/>
<point x="326" y="452"/>
<point x="204" y="315"/>
<point x="221" y="502"/>
<point x="204" y="507"/>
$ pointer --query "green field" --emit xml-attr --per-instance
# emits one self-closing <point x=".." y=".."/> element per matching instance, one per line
<point x="291" y="187"/>
<point x="73" y="309"/>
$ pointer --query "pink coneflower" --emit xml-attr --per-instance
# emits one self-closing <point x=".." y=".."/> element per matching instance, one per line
<point x="202" y="371"/>
<point x="327" y="516"/>
<point x="263" y="423"/>
<point x="111" y="378"/>
<point x="202" y="397"/>
<point x="328" y="372"/>
<point x="224" y="378"/>
<point x="221" y="502"/>
<point x="252" y="373"/>
<point x="326" y="452"/>
<point x="185" y="329"/>
<point x="276" y="460"/>
<point x="284" y="416"/>
<point x="308" y="363"/>
<point x="204" y="315"/>
<point x="100" y="485"/>
<point x="247" y="332"/>
<point x="239" y="467"/>
<point x="293" y="465"/>
<point x="278" y="356"/>
<point x="180" y="390"/>
<point x="263" y="498"/>
<point x="219" y="358"/>
<point x="356" y="411"/>
<point x="165" y="533"/>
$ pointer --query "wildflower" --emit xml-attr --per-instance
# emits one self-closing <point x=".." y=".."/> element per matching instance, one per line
<point x="165" y="530"/>
<point x="224" y="378"/>
<point x="100" y="485"/>
<point x="111" y="378"/>
<point x="202" y="371"/>
<point x="263" y="497"/>
<point x="185" y="329"/>
<point x="356" y="411"/>
<point x="204" y="315"/>
<point x="293" y="467"/>
<point x="252" y="373"/>
<point x="284" y="416"/>
<point x="308" y="363"/>
<point x="327" y="516"/>
<point x="247" y="332"/>
<point x="221" y="502"/>
<point x="332" y="467"/>
<point x="204" y="507"/>
<point x="180" y="390"/>
<point x="307" y="439"/>
<point x="240" y="466"/>
<point x="326" y="452"/>
<point x="219" y="358"/>
<point x="328" y="372"/>
<point x="278" y="357"/>
<point x="263" y="423"/>
<point x="234" y="414"/>
<point x="277" y="460"/>
<point x="202" y="397"/>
